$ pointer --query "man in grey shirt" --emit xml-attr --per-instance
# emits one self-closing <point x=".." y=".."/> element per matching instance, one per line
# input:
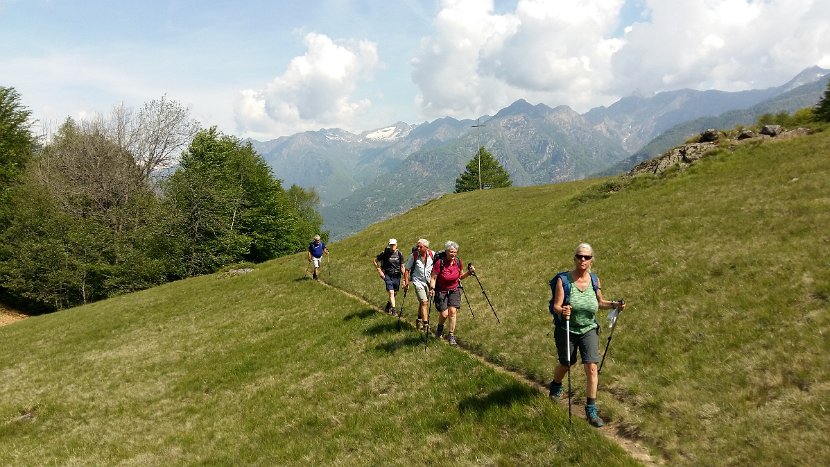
<point x="418" y="270"/>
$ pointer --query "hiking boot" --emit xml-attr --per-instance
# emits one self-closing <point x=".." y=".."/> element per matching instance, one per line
<point x="386" y="308"/>
<point x="392" y="311"/>
<point x="419" y="323"/>
<point x="555" y="390"/>
<point x="425" y="326"/>
<point x="439" y="331"/>
<point x="592" y="416"/>
<point x="451" y="340"/>
<point x="314" y="276"/>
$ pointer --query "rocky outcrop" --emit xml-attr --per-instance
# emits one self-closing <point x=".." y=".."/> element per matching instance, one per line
<point x="710" y="140"/>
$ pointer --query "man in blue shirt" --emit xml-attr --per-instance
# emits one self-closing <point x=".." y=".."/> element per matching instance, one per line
<point x="315" y="254"/>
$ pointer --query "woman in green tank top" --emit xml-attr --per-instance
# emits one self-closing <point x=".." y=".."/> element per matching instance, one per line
<point x="580" y="308"/>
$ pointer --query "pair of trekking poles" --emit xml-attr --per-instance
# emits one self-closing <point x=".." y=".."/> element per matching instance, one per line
<point x="328" y="269"/>
<point x="568" y="345"/>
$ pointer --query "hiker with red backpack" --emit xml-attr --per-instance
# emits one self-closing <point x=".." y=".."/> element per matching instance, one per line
<point x="447" y="273"/>
<point x="389" y="264"/>
<point x="576" y="297"/>
<point x="418" y="271"/>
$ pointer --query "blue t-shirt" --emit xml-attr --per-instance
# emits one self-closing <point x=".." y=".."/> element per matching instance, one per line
<point x="316" y="249"/>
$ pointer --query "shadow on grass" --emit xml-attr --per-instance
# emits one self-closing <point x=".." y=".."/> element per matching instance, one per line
<point x="408" y="341"/>
<point x="362" y="314"/>
<point x="514" y="393"/>
<point x="382" y="328"/>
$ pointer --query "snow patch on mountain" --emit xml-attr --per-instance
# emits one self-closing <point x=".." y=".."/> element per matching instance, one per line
<point x="390" y="133"/>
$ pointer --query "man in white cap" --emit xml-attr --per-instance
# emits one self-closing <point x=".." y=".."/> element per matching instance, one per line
<point x="315" y="255"/>
<point x="389" y="264"/>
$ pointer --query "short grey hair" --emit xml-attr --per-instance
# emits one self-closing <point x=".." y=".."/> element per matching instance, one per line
<point x="584" y="246"/>
<point x="316" y="237"/>
<point x="450" y="245"/>
<point x="424" y="242"/>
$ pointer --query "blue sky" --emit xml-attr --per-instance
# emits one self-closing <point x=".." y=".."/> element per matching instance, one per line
<point x="263" y="69"/>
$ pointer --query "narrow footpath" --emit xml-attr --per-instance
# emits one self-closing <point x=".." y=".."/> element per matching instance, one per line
<point x="611" y="430"/>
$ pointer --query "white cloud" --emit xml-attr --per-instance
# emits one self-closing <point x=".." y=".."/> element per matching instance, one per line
<point x="477" y="62"/>
<point x="566" y="52"/>
<point x="316" y="90"/>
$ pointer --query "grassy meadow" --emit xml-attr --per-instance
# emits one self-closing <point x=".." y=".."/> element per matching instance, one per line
<point x="265" y="368"/>
<point x="720" y="358"/>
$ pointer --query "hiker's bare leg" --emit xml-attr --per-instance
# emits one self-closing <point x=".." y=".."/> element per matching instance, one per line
<point x="591" y="380"/>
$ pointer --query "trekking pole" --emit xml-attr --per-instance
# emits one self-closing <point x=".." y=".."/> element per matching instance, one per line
<point x="608" y="343"/>
<point x="485" y="293"/>
<point x="426" y="327"/>
<point x="400" y="310"/>
<point x="568" y="344"/>
<point x="461" y="286"/>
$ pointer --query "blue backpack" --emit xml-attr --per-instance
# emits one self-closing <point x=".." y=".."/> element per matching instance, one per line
<point x="566" y="288"/>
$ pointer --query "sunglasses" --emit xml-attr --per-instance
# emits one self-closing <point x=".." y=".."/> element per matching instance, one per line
<point x="583" y="257"/>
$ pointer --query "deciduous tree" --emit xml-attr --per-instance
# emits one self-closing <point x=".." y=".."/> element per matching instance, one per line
<point x="229" y="206"/>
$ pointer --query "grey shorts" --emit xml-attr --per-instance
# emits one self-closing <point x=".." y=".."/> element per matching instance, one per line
<point x="421" y="291"/>
<point x="588" y="345"/>
<point x="446" y="299"/>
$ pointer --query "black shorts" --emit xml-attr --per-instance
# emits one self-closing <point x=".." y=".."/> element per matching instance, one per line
<point x="588" y="345"/>
<point x="448" y="298"/>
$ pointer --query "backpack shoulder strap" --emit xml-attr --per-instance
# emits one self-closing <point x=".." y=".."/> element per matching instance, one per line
<point x="566" y="289"/>
<point x="595" y="282"/>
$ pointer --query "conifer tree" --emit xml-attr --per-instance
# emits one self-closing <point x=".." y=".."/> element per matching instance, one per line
<point x="822" y="110"/>
<point x="493" y="175"/>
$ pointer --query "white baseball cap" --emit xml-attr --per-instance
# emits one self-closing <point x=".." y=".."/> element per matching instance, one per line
<point x="392" y="241"/>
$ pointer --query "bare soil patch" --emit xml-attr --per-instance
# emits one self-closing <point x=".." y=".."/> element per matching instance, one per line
<point x="9" y="316"/>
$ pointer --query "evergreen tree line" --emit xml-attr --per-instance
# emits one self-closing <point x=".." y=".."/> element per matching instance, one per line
<point x="122" y="203"/>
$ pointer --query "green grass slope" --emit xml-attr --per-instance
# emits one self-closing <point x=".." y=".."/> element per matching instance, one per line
<point x="265" y="368"/>
<point x="721" y="357"/>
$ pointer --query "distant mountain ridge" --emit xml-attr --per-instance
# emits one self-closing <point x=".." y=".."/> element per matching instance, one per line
<point x="366" y="177"/>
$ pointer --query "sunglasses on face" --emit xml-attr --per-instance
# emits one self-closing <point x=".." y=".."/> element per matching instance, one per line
<point x="583" y="257"/>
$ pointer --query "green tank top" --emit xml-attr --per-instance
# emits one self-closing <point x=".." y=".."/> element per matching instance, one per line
<point x="584" y="308"/>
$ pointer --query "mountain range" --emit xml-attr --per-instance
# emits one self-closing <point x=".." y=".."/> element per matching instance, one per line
<point x="363" y="178"/>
